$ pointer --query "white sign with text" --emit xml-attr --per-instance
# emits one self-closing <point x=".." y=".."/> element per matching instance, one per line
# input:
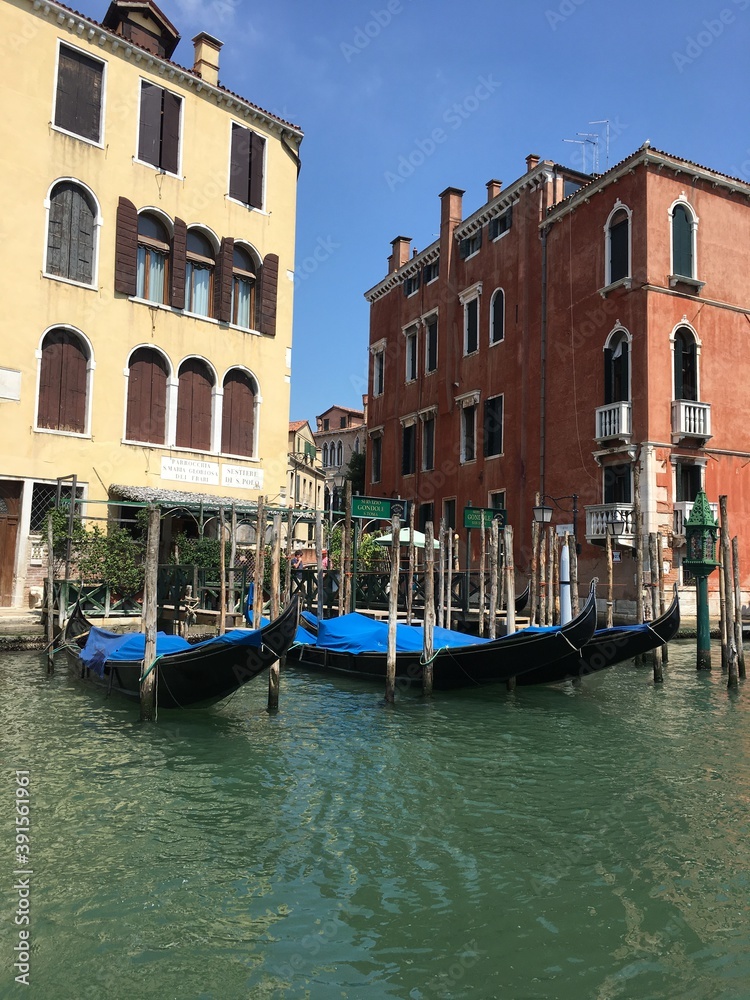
<point x="190" y="470"/>
<point x="242" y="477"/>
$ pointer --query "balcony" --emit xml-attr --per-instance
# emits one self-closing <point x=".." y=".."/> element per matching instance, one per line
<point x="614" y="421"/>
<point x="690" y="420"/>
<point x="598" y="517"/>
<point x="682" y="511"/>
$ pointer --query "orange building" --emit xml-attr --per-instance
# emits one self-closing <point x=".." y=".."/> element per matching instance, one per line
<point x="571" y="328"/>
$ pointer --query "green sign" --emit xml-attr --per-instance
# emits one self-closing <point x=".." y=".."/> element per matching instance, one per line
<point x="473" y="517"/>
<point x="379" y="508"/>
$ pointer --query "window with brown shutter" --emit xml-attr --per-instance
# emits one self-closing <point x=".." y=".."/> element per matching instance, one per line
<point x="71" y="233"/>
<point x="238" y="414"/>
<point x="78" y="97"/>
<point x="223" y="281"/>
<point x="269" y="280"/>
<point x="126" y="247"/>
<point x="147" y="397"/>
<point x="62" y="383"/>
<point x="194" y="405"/>
<point x="199" y="274"/>
<point x="243" y="309"/>
<point x="246" y="166"/>
<point x="159" y="127"/>
<point x="152" y="278"/>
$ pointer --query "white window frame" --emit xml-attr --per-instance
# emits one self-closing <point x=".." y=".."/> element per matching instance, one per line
<point x="98" y="223"/>
<point x="410" y="420"/>
<point x="498" y="291"/>
<point x="102" y="110"/>
<point x="675" y="278"/>
<point x="464" y="402"/>
<point x="424" y="415"/>
<point x="256" y="413"/>
<point x="235" y="201"/>
<point x="378" y="357"/>
<point x="171" y="399"/>
<point x="626" y="279"/>
<point x="90" y="369"/>
<point x="470" y="294"/>
<point x="180" y="144"/>
<point x="615" y="336"/>
<point x="411" y="352"/>
<point x="687" y="325"/>
<point x="426" y="320"/>
<point x="497" y="454"/>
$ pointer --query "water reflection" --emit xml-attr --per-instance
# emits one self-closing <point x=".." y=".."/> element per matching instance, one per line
<point x="568" y="842"/>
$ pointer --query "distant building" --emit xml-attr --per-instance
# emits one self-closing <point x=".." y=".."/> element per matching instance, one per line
<point x="341" y="432"/>
<point x="147" y="339"/>
<point x="306" y="483"/>
<point x="568" y="330"/>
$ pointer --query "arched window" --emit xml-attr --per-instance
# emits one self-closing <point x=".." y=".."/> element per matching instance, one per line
<point x="497" y="317"/>
<point x="71" y="233"/>
<point x="685" y="365"/>
<point x="617" y="368"/>
<point x="147" y="397"/>
<point x="63" y="382"/>
<point x="243" y="289"/>
<point x="325" y="455"/>
<point x="339" y="454"/>
<point x="194" y="396"/>
<point x="238" y="414"/>
<point x="199" y="272"/>
<point x="152" y="276"/>
<point x="683" y="256"/>
<point x="618" y="246"/>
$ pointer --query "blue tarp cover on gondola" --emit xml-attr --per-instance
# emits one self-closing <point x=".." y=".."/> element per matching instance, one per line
<point x="357" y="633"/>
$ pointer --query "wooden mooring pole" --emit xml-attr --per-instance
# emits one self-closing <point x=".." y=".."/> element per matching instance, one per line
<point x="50" y="595"/>
<point x="449" y="579"/>
<point x="149" y="672"/>
<point x="441" y="575"/>
<point x="390" y="670"/>
<point x="653" y="556"/>
<point x="510" y="590"/>
<point x="494" y="541"/>
<point x="662" y="595"/>
<point x="222" y="576"/>
<point x="726" y="569"/>
<point x="274" y="672"/>
<point x="429" y="608"/>
<point x="738" y="606"/>
<point x="260" y="558"/>
<point x="482" y="570"/>
<point x="410" y="573"/>
<point x="573" y="554"/>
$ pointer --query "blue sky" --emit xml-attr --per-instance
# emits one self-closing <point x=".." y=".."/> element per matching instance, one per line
<point x="370" y="82"/>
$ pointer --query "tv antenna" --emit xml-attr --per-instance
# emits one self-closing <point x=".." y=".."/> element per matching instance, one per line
<point x="604" y="121"/>
<point x="582" y="144"/>
<point x="593" y="138"/>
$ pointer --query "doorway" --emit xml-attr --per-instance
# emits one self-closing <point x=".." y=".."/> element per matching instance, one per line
<point x="10" y="502"/>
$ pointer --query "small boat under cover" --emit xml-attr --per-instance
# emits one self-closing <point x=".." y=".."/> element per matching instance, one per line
<point x="187" y="674"/>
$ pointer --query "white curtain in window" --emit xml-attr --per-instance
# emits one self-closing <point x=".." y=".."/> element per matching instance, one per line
<point x="241" y="305"/>
<point x="199" y="283"/>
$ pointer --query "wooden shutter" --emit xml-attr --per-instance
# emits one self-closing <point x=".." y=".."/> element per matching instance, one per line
<point x="618" y="248"/>
<point x="62" y="384"/>
<point x="81" y="259"/>
<point x="149" y="128"/>
<point x="170" y="134"/>
<point x="147" y="397"/>
<point x="682" y="243"/>
<point x="194" y="406"/>
<point x="239" y="167"/>
<point x="79" y="94"/>
<point x="223" y="281"/>
<point x="608" y="380"/>
<point x="257" y="145"/>
<point x="126" y="247"/>
<point x="269" y="281"/>
<point x="238" y="414"/>
<point x="178" y="262"/>
<point x="58" y="211"/>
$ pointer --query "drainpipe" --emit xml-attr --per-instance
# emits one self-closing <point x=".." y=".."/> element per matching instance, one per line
<point x="543" y="358"/>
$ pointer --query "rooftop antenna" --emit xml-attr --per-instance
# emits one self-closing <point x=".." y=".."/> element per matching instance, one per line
<point x="604" y="121"/>
<point x="582" y="144"/>
<point x="593" y="138"/>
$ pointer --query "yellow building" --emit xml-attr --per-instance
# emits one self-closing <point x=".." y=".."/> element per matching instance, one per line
<point x="149" y="217"/>
<point x="306" y="484"/>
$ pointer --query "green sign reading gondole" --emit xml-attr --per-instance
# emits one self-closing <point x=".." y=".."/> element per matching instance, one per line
<point x="473" y="517"/>
<point x="379" y="508"/>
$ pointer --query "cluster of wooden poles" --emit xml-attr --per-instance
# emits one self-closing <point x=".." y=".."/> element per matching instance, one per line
<point x="730" y="602"/>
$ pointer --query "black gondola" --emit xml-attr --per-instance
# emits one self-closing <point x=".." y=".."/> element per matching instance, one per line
<point x="454" y="666"/>
<point x="203" y="673"/>
<point x="609" y="646"/>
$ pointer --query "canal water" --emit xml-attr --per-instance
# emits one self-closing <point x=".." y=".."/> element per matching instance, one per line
<point x="558" y="843"/>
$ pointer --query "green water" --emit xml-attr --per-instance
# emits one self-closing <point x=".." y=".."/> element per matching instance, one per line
<point x="587" y="842"/>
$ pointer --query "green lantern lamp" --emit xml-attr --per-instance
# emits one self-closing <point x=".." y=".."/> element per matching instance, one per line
<point x="701" y="530"/>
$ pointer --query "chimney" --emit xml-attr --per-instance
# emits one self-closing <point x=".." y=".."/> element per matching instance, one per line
<point x="207" y="50"/>
<point x="493" y="189"/>
<point x="450" y="217"/>
<point x="400" y="253"/>
<point x="531" y="161"/>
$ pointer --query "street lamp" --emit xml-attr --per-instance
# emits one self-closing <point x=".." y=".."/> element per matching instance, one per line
<point x="543" y="512"/>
